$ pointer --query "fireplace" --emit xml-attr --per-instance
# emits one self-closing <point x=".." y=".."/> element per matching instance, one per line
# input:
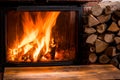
<point x="42" y="35"/>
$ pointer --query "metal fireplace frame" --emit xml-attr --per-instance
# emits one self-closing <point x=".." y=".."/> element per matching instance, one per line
<point x="32" y="7"/>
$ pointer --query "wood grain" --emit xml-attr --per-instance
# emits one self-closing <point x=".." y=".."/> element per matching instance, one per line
<point x="85" y="72"/>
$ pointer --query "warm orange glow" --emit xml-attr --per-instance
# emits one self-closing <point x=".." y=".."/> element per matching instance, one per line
<point x="36" y="38"/>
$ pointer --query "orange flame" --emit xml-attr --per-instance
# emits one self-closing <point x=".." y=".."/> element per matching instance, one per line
<point x="37" y="33"/>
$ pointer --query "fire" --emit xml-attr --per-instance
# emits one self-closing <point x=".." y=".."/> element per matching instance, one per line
<point x="36" y="37"/>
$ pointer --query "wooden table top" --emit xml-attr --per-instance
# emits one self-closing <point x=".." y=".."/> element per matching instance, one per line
<point x="84" y="72"/>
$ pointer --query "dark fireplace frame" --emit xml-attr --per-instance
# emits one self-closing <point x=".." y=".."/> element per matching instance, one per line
<point x="80" y="51"/>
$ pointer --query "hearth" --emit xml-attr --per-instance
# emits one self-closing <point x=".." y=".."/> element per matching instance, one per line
<point x="41" y="34"/>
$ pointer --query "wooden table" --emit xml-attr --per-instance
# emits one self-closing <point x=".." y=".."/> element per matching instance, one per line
<point x="82" y="72"/>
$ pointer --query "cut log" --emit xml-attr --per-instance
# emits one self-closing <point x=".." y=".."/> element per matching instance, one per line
<point x="118" y="33"/>
<point x="92" y="49"/>
<point x="100" y="46"/>
<point x="117" y="40"/>
<point x="118" y="57"/>
<point x="115" y="18"/>
<point x="101" y="28"/>
<point x="89" y="30"/>
<point x="114" y="52"/>
<point x="113" y="5"/>
<point x="113" y="27"/>
<point x="109" y="38"/>
<point x="118" y="22"/>
<point x="92" y="21"/>
<point x="111" y="51"/>
<point x="114" y="61"/>
<point x="92" y="57"/>
<point x="91" y="39"/>
<point x="101" y="37"/>
<point x="103" y="18"/>
<point x="104" y="59"/>
<point x="97" y="10"/>
<point x="117" y="13"/>
<point x="118" y="47"/>
<point x="107" y="10"/>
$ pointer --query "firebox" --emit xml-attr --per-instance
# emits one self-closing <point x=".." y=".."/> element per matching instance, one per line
<point x="40" y="34"/>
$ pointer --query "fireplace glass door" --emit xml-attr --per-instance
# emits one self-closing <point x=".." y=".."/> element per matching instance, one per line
<point x="40" y="36"/>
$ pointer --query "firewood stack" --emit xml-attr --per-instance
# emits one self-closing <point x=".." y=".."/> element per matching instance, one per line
<point x="103" y="33"/>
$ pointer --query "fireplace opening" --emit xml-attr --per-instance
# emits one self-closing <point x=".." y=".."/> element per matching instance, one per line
<point x="42" y="35"/>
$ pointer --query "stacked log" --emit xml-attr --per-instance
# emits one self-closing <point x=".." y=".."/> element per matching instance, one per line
<point x="103" y="32"/>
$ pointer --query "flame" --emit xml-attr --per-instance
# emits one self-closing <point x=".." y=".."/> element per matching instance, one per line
<point x="37" y="34"/>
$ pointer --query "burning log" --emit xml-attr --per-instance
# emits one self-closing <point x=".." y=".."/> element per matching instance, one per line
<point x="52" y="52"/>
<point x="46" y="57"/>
<point x="25" y="52"/>
<point x="59" y="55"/>
<point x="29" y="53"/>
<point x="18" y="56"/>
<point x="28" y="57"/>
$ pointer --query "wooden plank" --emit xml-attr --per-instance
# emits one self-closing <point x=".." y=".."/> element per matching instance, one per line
<point x="77" y="0"/>
<point x="53" y="0"/>
<point x="90" y="72"/>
